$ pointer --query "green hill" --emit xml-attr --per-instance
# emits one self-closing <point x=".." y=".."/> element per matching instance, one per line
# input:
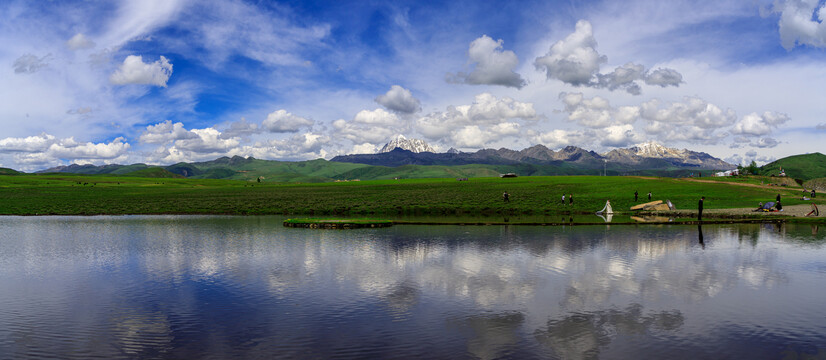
<point x="7" y="171"/>
<point x="805" y="167"/>
<point x="153" y="172"/>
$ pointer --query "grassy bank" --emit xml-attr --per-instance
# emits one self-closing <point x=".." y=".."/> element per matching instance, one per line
<point x="88" y="195"/>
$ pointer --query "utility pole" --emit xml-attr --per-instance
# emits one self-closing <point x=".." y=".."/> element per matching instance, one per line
<point x="604" y="167"/>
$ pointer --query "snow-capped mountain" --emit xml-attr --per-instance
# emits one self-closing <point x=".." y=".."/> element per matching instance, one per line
<point x="653" y="150"/>
<point x="413" y="145"/>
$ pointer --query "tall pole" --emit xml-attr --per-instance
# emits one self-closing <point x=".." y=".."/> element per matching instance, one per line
<point x="604" y="167"/>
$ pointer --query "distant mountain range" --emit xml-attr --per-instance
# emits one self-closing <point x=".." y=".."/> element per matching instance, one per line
<point x="645" y="159"/>
<point x="647" y="156"/>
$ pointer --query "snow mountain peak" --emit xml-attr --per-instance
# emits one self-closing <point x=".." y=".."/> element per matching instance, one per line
<point x="413" y="145"/>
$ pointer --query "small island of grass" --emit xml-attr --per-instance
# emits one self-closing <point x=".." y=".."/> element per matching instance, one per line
<point x="337" y="223"/>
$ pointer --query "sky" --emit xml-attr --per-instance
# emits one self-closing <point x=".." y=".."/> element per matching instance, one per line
<point x="166" y="81"/>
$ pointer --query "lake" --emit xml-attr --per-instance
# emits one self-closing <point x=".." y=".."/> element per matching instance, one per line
<point x="246" y="287"/>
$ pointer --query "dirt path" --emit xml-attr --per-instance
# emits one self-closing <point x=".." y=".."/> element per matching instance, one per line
<point x="793" y="210"/>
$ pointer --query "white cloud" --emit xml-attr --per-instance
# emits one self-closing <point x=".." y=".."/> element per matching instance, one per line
<point x="135" y="71"/>
<point x="619" y="136"/>
<point x="69" y="149"/>
<point x="365" y="148"/>
<point x="693" y="111"/>
<point x="575" y="59"/>
<point x="623" y="77"/>
<point x="28" y="144"/>
<point x="558" y="138"/>
<point x="821" y="126"/>
<point x="45" y="149"/>
<point x="165" y="132"/>
<point x="137" y="18"/>
<point x="29" y="64"/>
<point x="400" y="100"/>
<point x="494" y="66"/>
<point x="206" y="141"/>
<point x="663" y="77"/>
<point x="370" y="126"/>
<point x="759" y="125"/>
<point x="801" y="22"/>
<point x="765" y="142"/>
<point x="240" y="128"/>
<point x="79" y="42"/>
<point x="281" y="121"/>
<point x="489" y="119"/>
<point x="377" y="117"/>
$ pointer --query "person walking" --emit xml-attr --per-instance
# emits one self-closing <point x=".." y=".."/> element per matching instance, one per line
<point x="563" y="199"/>
<point x="635" y="195"/>
<point x="649" y="196"/>
<point x="571" y="199"/>
<point x="700" y="209"/>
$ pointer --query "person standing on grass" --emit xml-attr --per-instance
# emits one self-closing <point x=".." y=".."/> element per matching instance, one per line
<point x="700" y="209"/>
<point x="635" y="195"/>
<point x="505" y="197"/>
<point x="649" y="196"/>
<point x="571" y="199"/>
<point x="778" y="198"/>
<point x="563" y="199"/>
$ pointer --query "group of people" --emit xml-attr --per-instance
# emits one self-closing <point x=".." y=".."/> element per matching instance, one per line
<point x="637" y="194"/>
<point x="506" y="198"/>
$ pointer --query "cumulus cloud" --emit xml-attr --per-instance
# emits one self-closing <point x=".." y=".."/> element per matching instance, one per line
<point x="620" y="136"/>
<point x="165" y="132"/>
<point x="493" y="65"/>
<point x="759" y="125"/>
<point x="240" y="128"/>
<point x="370" y="126"/>
<point x="27" y="144"/>
<point x="30" y="64"/>
<point x="489" y="119"/>
<point x="801" y="23"/>
<point x="766" y="143"/>
<point x="623" y="77"/>
<point x="134" y="71"/>
<point x="281" y="121"/>
<point x="594" y="113"/>
<point x="206" y="141"/>
<point x="663" y="77"/>
<point x="559" y="138"/>
<point x="692" y="111"/>
<point x="575" y="59"/>
<point x="79" y="42"/>
<point x="45" y="149"/>
<point x="400" y="100"/>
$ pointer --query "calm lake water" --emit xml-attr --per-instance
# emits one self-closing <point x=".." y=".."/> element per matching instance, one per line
<point x="246" y="287"/>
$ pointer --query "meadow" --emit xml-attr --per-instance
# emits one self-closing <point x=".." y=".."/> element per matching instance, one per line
<point x="62" y="194"/>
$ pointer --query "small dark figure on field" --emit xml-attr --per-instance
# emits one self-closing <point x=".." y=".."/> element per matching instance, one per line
<point x="700" y="208"/>
<point x="778" y="206"/>
<point x="563" y="199"/>
<point x="506" y="197"/>
<point x="813" y="193"/>
<point x="778" y="198"/>
<point x="571" y="199"/>
<point x="635" y="195"/>
<point x="649" y="196"/>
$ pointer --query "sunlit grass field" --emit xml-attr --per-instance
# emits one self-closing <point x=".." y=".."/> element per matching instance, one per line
<point x="60" y="194"/>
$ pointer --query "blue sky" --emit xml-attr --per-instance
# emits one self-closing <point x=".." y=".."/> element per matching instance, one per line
<point x="166" y="81"/>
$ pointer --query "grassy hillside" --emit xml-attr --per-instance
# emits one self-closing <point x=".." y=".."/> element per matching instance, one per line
<point x="153" y="172"/>
<point x="108" y="194"/>
<point x="7" y="171"/>
<point x="805" y="167"/>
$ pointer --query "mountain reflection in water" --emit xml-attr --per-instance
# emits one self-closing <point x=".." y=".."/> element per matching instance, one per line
<point x="230" y="287"/>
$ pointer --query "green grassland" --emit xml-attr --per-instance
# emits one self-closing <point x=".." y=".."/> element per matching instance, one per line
<point x="68" y="194"/>
<point x="805" y="167"/>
